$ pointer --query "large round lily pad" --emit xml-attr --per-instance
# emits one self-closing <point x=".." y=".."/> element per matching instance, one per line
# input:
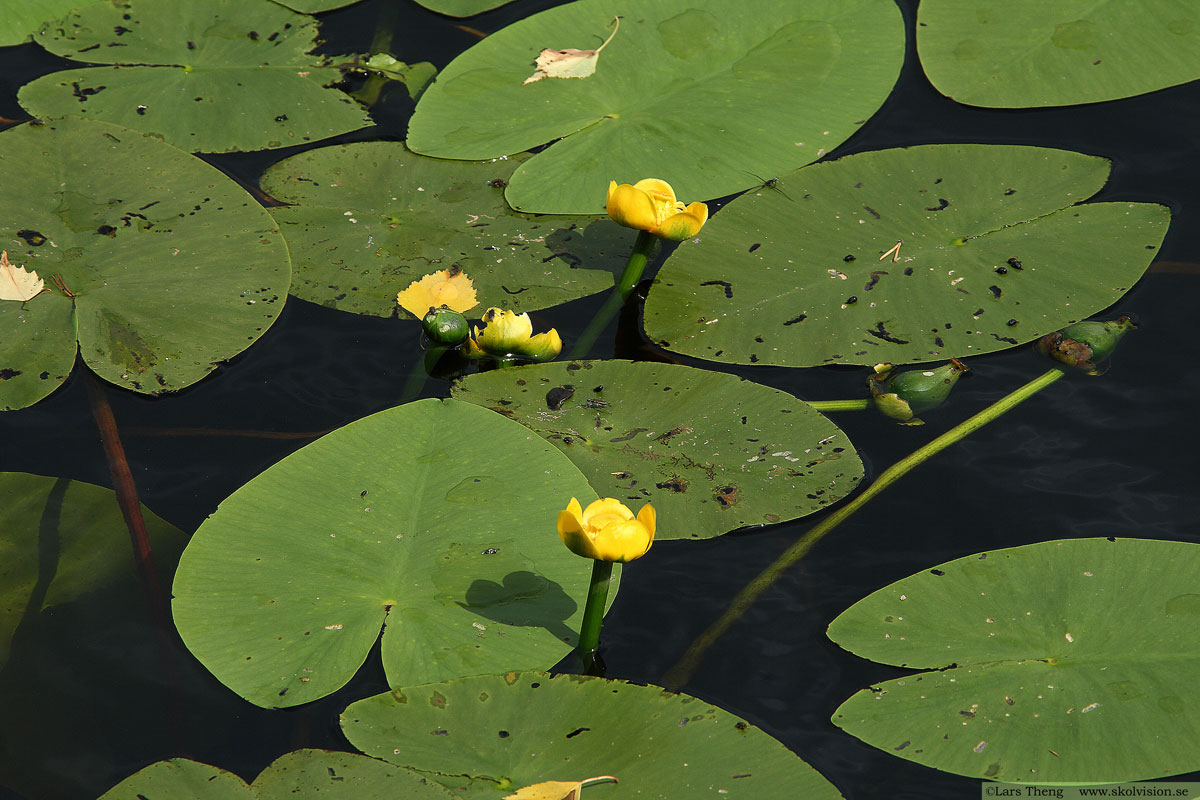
<point x="22" y="17"/>
<point x="322" y="774"/>
<point x="171" y="266"/>
<point x="487" y="736"/>
<point x="906" y="255"/>
<point x="205" y="75"/>
<point x="59" y="540"/>
<point x="1069" y="662"/>
<point x="711" y="451"/>
<point x="704" y="94"/>
<point x="434" y="518"/>
<point x="1025" y="53"/>
<point x="462" y="8"/>
<point x="370" y="218"/>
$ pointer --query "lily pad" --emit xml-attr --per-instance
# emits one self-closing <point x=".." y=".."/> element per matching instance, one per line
<point x="1023" y="53"/>
<point x="688" y="91"/>
<point x="462" y="8"/>
<point x="323" y="774"/>
<point x="906" y="255"/>
<point x="711" y="451"/>
<point x="23" y="17"/>
<point x="434" y="518"/>
<point x="372" y="217"/>
<point x="171" y="267"/>
<point x="1059" y="662"/>
<point x="315" y="6"/>
<point x="480" y="735"/>
<point x="207" y="75"/>
<point x="61" y="539"/>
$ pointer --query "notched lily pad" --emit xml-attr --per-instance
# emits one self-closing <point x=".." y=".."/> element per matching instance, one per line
<point x="161" y="266"/>
<point x="476" y="733"/>
<point x="207" y="75"/>
<point x="369" y="218"/>
<point x="399" y="519"/>
<point x="712" y="452"/>
<point x="907" y="255"/>
<point x="1060" y="662"/>
<point x="688" y="91"/>
<point x="22" y="17"/>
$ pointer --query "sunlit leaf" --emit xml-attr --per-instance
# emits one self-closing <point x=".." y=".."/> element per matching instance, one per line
<point x="571" y="62"/>
<point x="449" y="288"/>
<point x="16" y="283"/>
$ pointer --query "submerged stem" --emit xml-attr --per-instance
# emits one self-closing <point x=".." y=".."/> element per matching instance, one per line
<point x="679" y="674"/>
<point x="841" y="405"/>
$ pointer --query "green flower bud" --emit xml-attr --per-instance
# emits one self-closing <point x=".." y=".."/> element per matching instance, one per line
<point x="1084" y="344"/>
<point x="446" y="327"/>
<point x="904" y="395"/>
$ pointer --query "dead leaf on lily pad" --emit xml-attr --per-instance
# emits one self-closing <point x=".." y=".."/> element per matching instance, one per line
<point x="16" y="283"/>
<point x="448" y="287"/>
<point x="569" y="63"/>
<point x="556" y="790"/>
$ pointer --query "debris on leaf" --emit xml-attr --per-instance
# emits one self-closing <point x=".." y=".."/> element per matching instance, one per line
<point x="556" y="790"/>
<point x="448" y="287"/>
<point x="16" y="283"/>
<point x="569" y="63"/>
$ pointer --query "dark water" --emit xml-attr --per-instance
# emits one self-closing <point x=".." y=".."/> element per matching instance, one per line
<point x="93" y="693"/>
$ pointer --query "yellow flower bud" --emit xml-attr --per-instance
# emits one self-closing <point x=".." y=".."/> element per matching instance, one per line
<point x="606" y="530"/>
<point x="650" y="205"/>
<point x="506" y="333"/>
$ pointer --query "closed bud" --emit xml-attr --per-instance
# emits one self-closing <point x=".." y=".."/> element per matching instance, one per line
<point x="445" y="327"/>
<point x="903" y="395"/>
<point x="1085" y="344"/>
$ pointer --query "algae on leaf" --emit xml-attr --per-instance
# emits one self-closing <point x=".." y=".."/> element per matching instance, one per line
<point x="207" y="75"/>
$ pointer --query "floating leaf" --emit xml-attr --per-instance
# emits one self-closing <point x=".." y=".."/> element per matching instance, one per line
<point x="436" y="519"/>
<point x="1059" y="662"/>
<point x="556" y="790"/>
<point x="1019" y="54"/>
<point x="690" y="93"/>
<point x="315" y="6"/>
<point x="662" y="745"/>
<point x="319" y="774"/>
<point x="906" y="255"/>
<point x="206" y="75"/>
<point x="569" y="63"/>
<point x="711" y="451"/>
<point x="59" y="540"/>
<point x="16" y="283"/>
<point x="369" y="218"/>
<point x="22" y="17"/>
<point x="462" y="8"/>
<point x="171" y="267"/>
<point x="449" y="288"/>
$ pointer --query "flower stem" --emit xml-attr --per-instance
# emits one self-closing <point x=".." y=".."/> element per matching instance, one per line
<point x="681" y="672"/>
<point x="636" y="265"/>
<point x="593" y="611"/>
<point x="841" y="405"/>
<point x="599" y="322"/>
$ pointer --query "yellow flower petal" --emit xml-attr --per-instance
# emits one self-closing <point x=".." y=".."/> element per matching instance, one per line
<point x="607" y="530"/>
<point x="622" y="541"/>
<point x="648" y="517"/>
<point x="605" y="506"/>
<point x="450" y="288"/>
<point x="650" y="205"/>
<point x="506" y="333"/>
<point x="631" y="207"/>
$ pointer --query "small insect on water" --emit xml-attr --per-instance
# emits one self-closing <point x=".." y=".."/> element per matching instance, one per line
<point x="768" y="183"/>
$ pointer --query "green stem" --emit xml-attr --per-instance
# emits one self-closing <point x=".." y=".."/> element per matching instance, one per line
<point x="636" y="265"/>
<point x="841" y="405"/>
<point x="593" y="610"/>
<point x="599" y="322"/>
<point x="681" y="672"/>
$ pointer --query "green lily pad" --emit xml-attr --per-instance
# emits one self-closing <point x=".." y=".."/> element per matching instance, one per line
<point x="435" y="519"/>
<point x="996" y="248"/>
<point x="1060" y="662"/>
<point x="370" y="218"/>
<point x="59" y="540"/>
<point x="711" y="451"/>
<point x="315" y="6"/>
<point x="323" y="774"/>
<point x="462" y="8"/>
<point x="22" y="17"/>
<point x="1023" y="53"/>
<point x="207" y="75"/>
<point x="173" y="268"/>
<point x="480" y="735"/>
<point x="688" y="91"/>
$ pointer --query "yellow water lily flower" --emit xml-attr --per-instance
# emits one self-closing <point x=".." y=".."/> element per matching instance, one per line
<point x="650" y="205"/>
<point x="448" y="287"/>
<point x="606" y="530"/>
<point x="506" y="333"/>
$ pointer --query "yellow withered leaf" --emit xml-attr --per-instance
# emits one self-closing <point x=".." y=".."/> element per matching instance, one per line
<point x="568" y="63"/>
<point x="448" y="287"/>
<point x="16" y="283"/>
<point x="556" y="790"/>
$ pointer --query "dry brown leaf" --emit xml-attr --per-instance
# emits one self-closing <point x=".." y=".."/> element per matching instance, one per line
<point x="16" y="283"/>
<point x="569" y="63"/>
<point x="556" y="790"/>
